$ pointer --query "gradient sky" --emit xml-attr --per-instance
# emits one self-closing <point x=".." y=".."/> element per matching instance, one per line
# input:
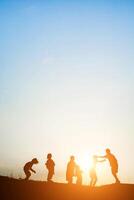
<point x="66" y="84"/>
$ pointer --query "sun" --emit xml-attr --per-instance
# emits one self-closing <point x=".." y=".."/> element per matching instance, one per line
<point x="85" y="163"/>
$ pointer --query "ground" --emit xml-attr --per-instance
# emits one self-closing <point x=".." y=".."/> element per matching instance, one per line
<point x="14" y="189"/>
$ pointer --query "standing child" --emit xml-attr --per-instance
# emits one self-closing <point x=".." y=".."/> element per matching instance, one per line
<point x="70" y="171"/>
<point x="78" y="172"/>
<point x="50" y="166"/>
<point x="28" y="167"/>
<point x="93" y="174"/>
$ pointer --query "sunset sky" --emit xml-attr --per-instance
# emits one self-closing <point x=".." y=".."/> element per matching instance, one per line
<point x="67" y="85"/>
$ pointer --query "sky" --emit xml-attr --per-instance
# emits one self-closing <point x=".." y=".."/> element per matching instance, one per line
<point x="66" y="85"/>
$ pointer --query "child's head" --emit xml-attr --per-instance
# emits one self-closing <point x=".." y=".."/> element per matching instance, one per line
<point x="49" y="156"/>
<point x="35" y="161"/>
<point x="72" y="158"/>
<point x="108" y="151"/>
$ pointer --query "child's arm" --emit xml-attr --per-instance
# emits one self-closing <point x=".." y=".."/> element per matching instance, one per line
<point x="101" y="156"/>
<point x="46" y="164"/>
<point x="101" y="160"/>
<point x="33" y="170"/>
<point x="53" y="163"/>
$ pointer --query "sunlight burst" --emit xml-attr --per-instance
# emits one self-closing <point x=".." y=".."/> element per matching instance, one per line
<point x="85" y="164"/>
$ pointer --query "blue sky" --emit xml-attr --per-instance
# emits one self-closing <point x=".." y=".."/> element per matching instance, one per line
<point x="66" y="82"/>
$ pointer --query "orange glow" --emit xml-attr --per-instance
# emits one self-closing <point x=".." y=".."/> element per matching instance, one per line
<point x="85" y="163"/>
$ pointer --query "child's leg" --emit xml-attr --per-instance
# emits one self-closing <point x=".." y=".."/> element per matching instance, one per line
<point x="91" y="182"/>
<point x="70" y="180"/>
<point x="116" y="178"/>
<point x="79" y="181"/>
<point x="94" y="181"/>
<point x="50" y="175"/>
<point x="114" y="171"/>
<point x="28" y="174"/>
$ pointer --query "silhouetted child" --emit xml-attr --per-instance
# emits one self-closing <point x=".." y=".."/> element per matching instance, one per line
<point x="50" y="166"/>
<point x="78" y="173"/>
<point x="70" y="172"/>
<point x="93" y="174"/>
<point x="113" y="163"/>
<point x="28" y="167"/>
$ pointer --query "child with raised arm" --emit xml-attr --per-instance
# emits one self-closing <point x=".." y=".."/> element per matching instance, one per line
<point x="113" y="163"/>
<point x="93" y="174"/>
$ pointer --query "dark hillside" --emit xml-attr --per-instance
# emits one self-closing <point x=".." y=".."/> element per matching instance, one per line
<point x="13" y="189"/>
